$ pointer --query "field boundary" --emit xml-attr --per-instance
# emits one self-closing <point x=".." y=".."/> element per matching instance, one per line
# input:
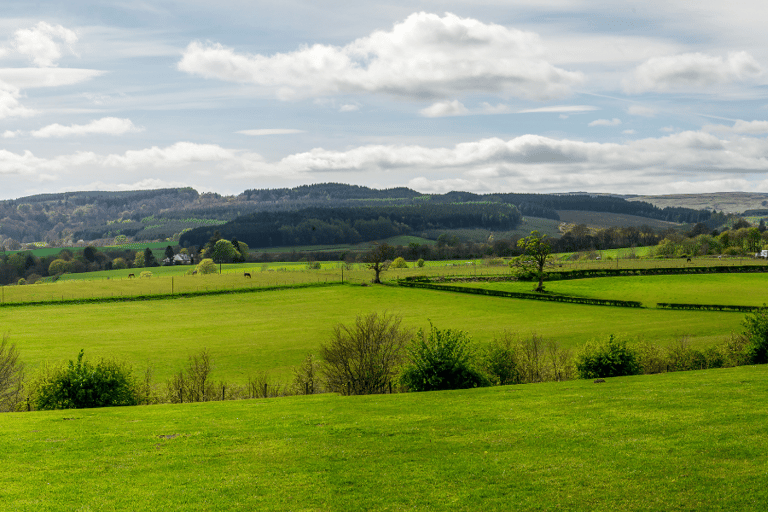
<point x="521" y="295"/>
<point x="165" y="296"/>
<point x="707" y="307"/>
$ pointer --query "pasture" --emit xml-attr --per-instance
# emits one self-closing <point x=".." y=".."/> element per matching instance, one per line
<point x="676" y="441"/>
<point x="273" y="330"/>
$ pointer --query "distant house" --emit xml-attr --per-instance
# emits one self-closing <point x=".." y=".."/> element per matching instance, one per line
<point x="178" y="259"/>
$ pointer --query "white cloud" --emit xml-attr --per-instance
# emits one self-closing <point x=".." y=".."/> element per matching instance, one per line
<point x="560" y="108"/>
<point x="349" y="108"/>
<point x="753" y="127"/>
<point x="28" y="78"/>
<point x="271" y="131"/>
<point x="9" y="103"/>
<point x="628" y="132"/>
<point x="500" y="108"/>
<point x="175" y="155"/>
<point x="105" y="125"/>
<point x="692" y="71"/>
<point x="668" y="129"/>
<point x="445" y="109"/>
<point x="641" y="110"/>
<point x="606" y="122"/>
<point x="425" y="56"/>
<point x="8" y="134"/>
<point x="40" y="43"/>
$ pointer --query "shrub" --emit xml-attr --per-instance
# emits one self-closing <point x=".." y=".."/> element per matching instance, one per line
<point x="363" y="359"/>
<point x="650" y="357"/>
<point x="399" y="262"/>
<point x="609" y="358"/>
<point x="440" y="360"/>
<point x="683" y="357"/>
<point x="193" y="384"/>
<point x="420" y="262"/>
<point x="11" y="376"/>
<point x="206" y="266"/>
<point x="305" y="377"/>
<point x="501" y="360"/>
<point x="756" y="332"/>
<point x="84" y="384"/>
<point x="146" y="273"/>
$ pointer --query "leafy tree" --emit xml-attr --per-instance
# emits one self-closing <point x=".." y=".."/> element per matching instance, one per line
<point x="363" y="359"/>
<point x="119" y="264"/>
<point x="756" y="331"/>
<point x="138" y="260"/>
<point x="536" y="251"/>
<point x="420" y="263"/>
<point x="377" y="258"/>
<point x="223" y="252"/>
<point x="84" y="384"/>
<point x="169" y="253"/>
<point x="11" y="376"/>
<point x="440" y="360"/>
<point x="90" y="253"/>
<point x="58" y="266"/>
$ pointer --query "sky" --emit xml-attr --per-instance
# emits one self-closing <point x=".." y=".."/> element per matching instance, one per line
<point x="651" y="97"/>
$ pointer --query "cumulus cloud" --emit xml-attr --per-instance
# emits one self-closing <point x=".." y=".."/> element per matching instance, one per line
<point x="628" y="132"/>
<point x="425" y="56"/>
<point x="105" y="126"/>
<point x="692" y="71"/>
<point x="9" y="103"/>
<point x="349" y="107"/>
<point x="175" y="155"/>
<point x="753" y="127"/>
<point x="270" y="131"/>
<point x="445" y="109"/>
<point x="43" y="43"/>
<point x="605" y="122"/>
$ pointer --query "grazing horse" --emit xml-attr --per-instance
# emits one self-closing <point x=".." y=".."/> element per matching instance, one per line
<point x="688" y="260"/>
<point x="131" y="275"/>
<point x="194" y="272"/>
<point x="247" y="274"/>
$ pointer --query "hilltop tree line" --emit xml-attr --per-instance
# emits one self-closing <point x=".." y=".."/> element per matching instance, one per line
<point x="313" y="226"/>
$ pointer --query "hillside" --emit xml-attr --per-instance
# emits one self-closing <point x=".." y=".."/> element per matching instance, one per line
<point x="728" y="202"/>
<point x="99" y="217"/>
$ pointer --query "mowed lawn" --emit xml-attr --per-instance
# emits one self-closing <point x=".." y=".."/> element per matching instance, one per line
<point x="273" y="331"/>
<point x="729" y="289"/>
<point x="677" y="441"/>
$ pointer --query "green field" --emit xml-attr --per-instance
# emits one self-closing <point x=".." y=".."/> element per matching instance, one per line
<point x="678" y="441"/>
<point x="730" y="289"/>
<point x="274" y="330"/>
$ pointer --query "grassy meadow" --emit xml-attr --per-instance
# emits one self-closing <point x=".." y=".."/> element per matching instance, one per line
<point x="273" y="330"/>
<point x="676" y="441"/>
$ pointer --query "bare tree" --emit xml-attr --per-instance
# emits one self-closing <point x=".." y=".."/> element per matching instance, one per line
<point x="363" y="359"/>
<point x="377" y="257"/>
<point x="11" y="376"/>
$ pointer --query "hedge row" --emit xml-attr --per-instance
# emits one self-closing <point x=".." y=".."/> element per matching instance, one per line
<point x="611" y="272"/>
<point x="517" y="295"/>
<point x="707" y="307"/>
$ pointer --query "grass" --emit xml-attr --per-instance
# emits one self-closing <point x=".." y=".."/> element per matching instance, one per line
<point x="274" y="330"/>
<point x="730" y="289"/>
<point x="679" y="441"/>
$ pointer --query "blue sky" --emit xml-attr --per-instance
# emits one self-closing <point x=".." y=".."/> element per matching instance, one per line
<point x="649" y="97"/>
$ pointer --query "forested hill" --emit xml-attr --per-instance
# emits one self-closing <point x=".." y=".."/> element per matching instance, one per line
<point x="144" y="215"/>
<point x="312" y="226"/>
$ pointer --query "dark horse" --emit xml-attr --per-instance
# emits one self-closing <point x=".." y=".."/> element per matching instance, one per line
<point x="131" y="275"/>
<point x="247" y="274"/>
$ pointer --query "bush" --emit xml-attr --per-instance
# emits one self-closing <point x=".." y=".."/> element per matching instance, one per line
<point x="363" y="359"/>
<point x="420" y="262"/>
<point x="609" y="358"/>
<point x="194" y="384"/>
<point x="206" y="266"/>
<point x="84" y="384"/>
<point x="440" y="360"/>
<point x="399" y="263"/>
<point x="501" y="360"/>
<point x="146" y="273"/>
<point x="11" y="376"/>
<point x="305" y="377"/>
<point x="756" y="332"/>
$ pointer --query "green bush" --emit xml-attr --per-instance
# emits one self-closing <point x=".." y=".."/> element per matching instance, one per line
<point x="610" y="358"/>
<point x="399" y="263"/>
<point x="756" y="332"/>
<point x="420" y="263"/>
<point x="440" y="360"/>
<point x="83" y="384"/>
<point x="501" y="360"/>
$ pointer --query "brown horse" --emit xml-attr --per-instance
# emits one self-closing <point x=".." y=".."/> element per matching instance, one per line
<point x="247" y="274"/>
<point x="131" y="275"/>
